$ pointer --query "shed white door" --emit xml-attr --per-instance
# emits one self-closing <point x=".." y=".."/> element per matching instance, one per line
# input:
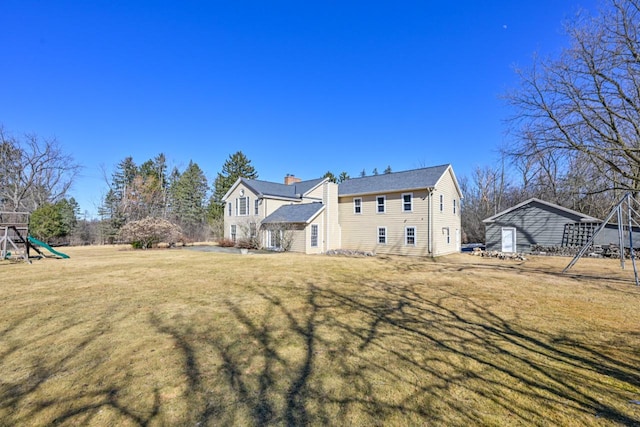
<point x="508" y="239"/>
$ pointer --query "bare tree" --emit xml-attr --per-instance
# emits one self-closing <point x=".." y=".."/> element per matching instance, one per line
<point x="485" y="194"/>
<point x="585" y="105"/>
<point x="33" y="171"/>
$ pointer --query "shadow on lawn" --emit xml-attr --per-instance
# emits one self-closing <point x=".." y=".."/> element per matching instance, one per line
<point x="387" y="354"/>
<point x="376" y="354"/>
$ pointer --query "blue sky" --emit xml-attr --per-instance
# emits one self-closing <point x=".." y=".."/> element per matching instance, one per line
<point x="300" y="87"/>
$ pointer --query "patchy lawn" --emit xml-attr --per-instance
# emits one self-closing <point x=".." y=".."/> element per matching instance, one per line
<point x="178" y="337"/>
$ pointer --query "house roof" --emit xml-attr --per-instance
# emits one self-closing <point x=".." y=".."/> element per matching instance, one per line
<point x="583" y="217"/>
<point x="392" y="182"/>
<point x="294" y="214"/>
<point x="266" y="188"/>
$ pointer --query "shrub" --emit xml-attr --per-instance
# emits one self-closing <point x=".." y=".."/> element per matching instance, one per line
<point x="145" y="233"/>
<point x="247" y="244"/>
<point x="226" y="243"/>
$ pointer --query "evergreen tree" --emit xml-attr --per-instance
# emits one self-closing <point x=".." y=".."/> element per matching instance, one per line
<point x="363" y="173"/>
<point x="188" y="196"/>
<point x="54" y="220"/>
<point x="343" y="177"/>
<point x="387" y="170"/>
<point x="236" y="166"/>
<point x="331" y="176"/>
<point x="111" y="217"/>
<point x="375" y="171"/>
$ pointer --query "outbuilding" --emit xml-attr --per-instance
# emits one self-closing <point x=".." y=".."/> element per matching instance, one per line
<point x="536" y="222"/>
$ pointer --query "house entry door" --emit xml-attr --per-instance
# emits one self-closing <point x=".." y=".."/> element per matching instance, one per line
<point x="508" y="239"/>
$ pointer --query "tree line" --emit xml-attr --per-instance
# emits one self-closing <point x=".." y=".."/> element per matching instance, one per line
<point x="574" y="141"/>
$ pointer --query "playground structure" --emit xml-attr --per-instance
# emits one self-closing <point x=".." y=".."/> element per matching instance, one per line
<point x="15" y="241"/>
<point x="626" y="214"/>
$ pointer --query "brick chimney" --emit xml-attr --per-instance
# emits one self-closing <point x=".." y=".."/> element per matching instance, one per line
<point x="290" y="179"/>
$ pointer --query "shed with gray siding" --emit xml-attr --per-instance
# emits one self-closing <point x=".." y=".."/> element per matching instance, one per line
<point x="536" y="222"/>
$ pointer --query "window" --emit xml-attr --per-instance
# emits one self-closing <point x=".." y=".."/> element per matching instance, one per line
<point x="314" y="235"/>
<point x="357" y="206"/>
<point x="257" y="207"/>
<point x="382" y="235"/>
<point x="410" y="236"/>
<point x="441" y="203"/>
<point x="230" y="209"/>
<point x="275" y="239"/>
<point x="233" y="232"/>
<point x="253" y="230"/>
<point x="407" y="202"/>
<point x="454" y="206"/>
<point x="445" y="231"/>
<point x="243" y="206"/>
<point x="380" y="201"/>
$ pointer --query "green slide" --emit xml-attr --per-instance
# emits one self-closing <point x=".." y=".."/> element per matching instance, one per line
<point x="37" y="242"/>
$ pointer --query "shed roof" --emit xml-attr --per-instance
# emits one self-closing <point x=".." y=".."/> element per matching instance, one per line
<point x="294" y="214"/>
<point x="583" y="217"/>
<point x="393" y="182"/>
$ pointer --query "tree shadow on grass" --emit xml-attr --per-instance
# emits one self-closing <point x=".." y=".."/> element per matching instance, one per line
<point x="22" y="400"/>
<point x="373" y="353"/>
<point x="386" y="354"/>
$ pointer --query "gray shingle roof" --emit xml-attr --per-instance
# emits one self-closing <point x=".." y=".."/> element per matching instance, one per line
<point x="583" y="217"/>
<point x="397" y="181"/>
<point x="300" y="213"/>
<point x="292" y="191"/>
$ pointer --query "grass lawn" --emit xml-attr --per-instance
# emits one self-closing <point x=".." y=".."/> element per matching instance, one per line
<point x="113" y="336"/>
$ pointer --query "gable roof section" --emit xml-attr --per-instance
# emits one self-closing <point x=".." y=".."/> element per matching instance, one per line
<point x="583" y="217"/>
<point x="294" y="214"/>
<point x="274" y="189"/>
<point x="393" y="182"/>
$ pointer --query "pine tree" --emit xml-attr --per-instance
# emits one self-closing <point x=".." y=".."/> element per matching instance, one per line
<point x="236" y="166"/>
<point x="343" y="177"/>
<point x="331" y="176"/>
<point x="387" y="170"/>
<point x="375" y="171"/>
<point x="188" y="195"/>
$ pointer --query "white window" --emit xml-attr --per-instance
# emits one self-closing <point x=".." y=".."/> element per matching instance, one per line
<point x="445" y="231"/>
<point x="243" y="206"/>
<point x="407" y="202"/>
<point x="253" y="230"/>
<point x="357" y="206"/>
<point x="256" y="210"/>
<point x="230" y="209"/>
<point x="454" y="206"/>
<point x="441" y="203"/>
<point x="410" y="236"/>
<point x="314" y="235"/>
<point x="382" y="235"/>
<point x="233" y="232"/>
<point x="380" y="202"/>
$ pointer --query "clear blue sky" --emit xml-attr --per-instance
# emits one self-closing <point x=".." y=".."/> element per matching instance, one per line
<point x="301" y="87"/>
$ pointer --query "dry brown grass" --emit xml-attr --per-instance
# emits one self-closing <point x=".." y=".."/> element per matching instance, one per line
<point x="176" y="337"/>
